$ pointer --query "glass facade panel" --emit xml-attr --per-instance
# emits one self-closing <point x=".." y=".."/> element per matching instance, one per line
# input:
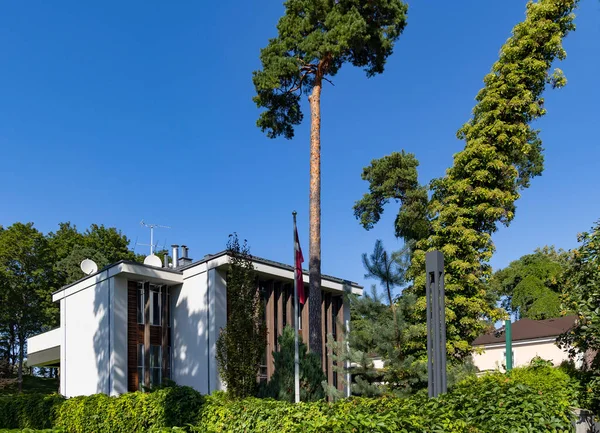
<point x="140" y="303"/>
<point x="140" y="366"/>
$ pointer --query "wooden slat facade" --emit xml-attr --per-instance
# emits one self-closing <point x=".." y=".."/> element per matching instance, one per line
<point x="146" y="334"/>
<point x="279" y="297"/>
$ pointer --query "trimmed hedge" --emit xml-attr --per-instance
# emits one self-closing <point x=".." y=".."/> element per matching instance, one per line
<point x="525" y="400"/>
<point x="36" y="411"/>
<point x="133" y="412"/>
<point x="495" y="403"/>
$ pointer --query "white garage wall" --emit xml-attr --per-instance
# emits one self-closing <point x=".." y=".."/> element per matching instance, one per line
<point x="493" y="356"/>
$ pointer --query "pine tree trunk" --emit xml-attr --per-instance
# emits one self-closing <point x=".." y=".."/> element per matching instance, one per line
<point x="393" y="308"/>
<point x="21" y="356"/>
<point x="314" y="300"/>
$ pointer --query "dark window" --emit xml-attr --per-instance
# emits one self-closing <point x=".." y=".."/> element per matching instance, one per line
<point x="284" y="318"/>
<point x="140" y="303"/>
<point x="140" y="366"/>
<point x="155" y="365"/>
<point x="155" y="305"/>
<point x="334" y="312"/>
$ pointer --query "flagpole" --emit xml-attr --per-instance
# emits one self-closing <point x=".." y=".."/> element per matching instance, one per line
<point x="296" y="327"/>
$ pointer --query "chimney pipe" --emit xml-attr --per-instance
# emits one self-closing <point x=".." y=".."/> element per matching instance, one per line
<point x="166" y="261"/>
<point x="184" y="252"/>
<point x="175" y="255"/>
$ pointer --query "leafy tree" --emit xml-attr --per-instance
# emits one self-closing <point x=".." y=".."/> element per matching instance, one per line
<point x="242" y="342"/>
<point x="315" y="38"/>
<point x="390" y="270"/>
<point x="531" y="286"/>
<point x="281" y="385"/>
<point x="502" y="153"/>
<point x="582" y="295"/>
<point x="25" y="269"/>
<point x="110" y="241"/>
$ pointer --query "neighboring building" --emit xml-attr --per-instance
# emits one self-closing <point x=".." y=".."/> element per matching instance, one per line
<point x="131" y="324"/>
<point x="530" y="338"/>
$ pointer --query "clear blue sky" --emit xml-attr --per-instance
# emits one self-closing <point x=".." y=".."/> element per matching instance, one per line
<point x="111" y="112"/>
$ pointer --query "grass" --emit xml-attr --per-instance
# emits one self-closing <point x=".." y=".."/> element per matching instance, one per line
<point x="32" y="384"/>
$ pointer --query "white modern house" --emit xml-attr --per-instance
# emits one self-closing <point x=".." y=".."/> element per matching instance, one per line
<point x="530" y="338"/>
<point x="132" y="324"/>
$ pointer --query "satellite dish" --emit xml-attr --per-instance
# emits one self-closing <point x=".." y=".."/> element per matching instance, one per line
<point x="153" y="260"/>
<point x="88" y="267"/>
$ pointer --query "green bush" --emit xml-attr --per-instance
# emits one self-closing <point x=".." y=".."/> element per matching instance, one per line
<point x="281" y="385"/>
<point x="528" y="400"/>
<point x="133" y="412"/>
<point x="532" y="399"/>
<point x="37" y="411"/>
<point x="519" y="401"/>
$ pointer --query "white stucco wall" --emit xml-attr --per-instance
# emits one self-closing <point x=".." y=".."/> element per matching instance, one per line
<point x="94" y="356"/>
<point x="118" y="337"/>
<point x="524" y="351"/>
<point x="85" y="349"/>
<point x="199" y="313"/>
<point x="189" y="331"/>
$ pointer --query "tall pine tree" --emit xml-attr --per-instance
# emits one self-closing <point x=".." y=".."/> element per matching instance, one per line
<point x="315" y="38"/>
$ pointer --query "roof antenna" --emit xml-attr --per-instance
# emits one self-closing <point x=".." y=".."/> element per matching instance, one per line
<point x="152" y="227"/>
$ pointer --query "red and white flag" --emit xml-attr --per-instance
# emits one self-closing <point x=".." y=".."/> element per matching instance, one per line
<point x="298" y="268"/>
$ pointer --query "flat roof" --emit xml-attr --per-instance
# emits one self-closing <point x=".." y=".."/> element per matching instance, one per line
<point x="205" y="259"/>
<point x="263" y="261"/>
<point x="112" y="265"/>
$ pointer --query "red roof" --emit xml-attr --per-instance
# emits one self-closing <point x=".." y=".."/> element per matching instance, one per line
<point x="528" y="329"/>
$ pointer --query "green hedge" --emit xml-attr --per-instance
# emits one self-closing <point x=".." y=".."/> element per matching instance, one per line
<point x="129" y="413"/>
<point x="494" y="403"/>
<point x="526" y="400"/>
<point x="37" y="411"/>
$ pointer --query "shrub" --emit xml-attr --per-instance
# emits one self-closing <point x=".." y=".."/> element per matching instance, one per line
<point x="520" y="401"/>
<point x="36" y="411"/>
<point x="281" y="385"/>
<point x="133" y="412"/>
<point x="530" y="399"/>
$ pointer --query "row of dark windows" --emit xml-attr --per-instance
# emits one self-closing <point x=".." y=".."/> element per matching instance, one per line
<point x="156" y="306"/>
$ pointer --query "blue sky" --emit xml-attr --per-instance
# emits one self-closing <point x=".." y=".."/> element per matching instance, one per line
<point x="116" y="111"/>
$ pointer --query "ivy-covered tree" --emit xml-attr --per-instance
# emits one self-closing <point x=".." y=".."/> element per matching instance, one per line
<point x="315" y="38"/>
<point x="531" y="286"/>
<point x="502" y="153"/>
<point x="242" y="343"/>
<point x="281" y="384"/>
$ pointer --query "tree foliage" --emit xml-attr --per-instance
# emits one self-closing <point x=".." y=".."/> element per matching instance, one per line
<point x="241" y="344"/>
<point x="315" y="38"/>
<point x="390" y="270"/>
<point x="25" y="268"/>
<point x="281" y="385"/>
<point x="582" y="295"/>
<point x="531" y="286"/>
<point x="395" y="177"/>
<point x="34" y="265"/>
<point x="502" y="153"/>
